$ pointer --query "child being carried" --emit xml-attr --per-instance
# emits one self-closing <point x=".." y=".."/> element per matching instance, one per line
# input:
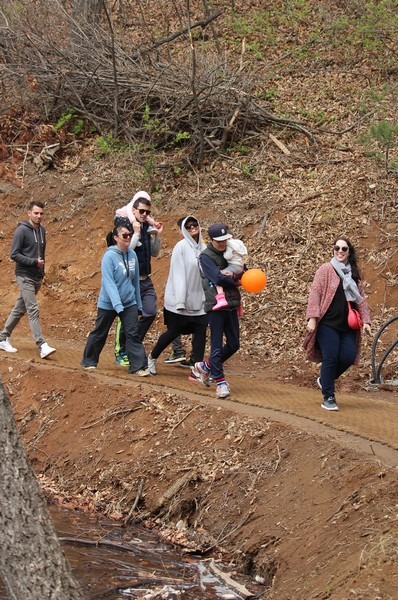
<point x="235" y="253"/>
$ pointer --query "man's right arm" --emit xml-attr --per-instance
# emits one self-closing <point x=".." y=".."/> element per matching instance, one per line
<point x="16" y="250"/>
<point x="213" y="273"/>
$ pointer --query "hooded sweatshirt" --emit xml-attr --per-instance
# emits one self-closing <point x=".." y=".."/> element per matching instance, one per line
<point x="27" y="246"/>
<point x="120" y="285"/>
<point x="127" y="211"/>
<point x="184" y="291"/>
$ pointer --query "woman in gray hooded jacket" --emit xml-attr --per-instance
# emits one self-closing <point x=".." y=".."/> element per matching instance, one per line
<point x="184" y="297"/>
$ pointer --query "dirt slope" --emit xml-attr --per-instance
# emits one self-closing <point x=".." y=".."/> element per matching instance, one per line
<point x="308" y="510"/>
<point x="304" y="500"/>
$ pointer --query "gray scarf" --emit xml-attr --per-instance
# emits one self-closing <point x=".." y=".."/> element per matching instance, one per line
<point x="349" y="286"/>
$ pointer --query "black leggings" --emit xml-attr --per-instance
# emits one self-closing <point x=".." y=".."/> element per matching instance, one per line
<point x="182" y="325"/>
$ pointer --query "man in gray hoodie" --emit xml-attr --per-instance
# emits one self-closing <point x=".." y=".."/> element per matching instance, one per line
<point x="28" y="250"/>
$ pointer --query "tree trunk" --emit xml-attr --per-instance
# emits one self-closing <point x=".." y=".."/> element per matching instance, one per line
<point x="32" y="563"/>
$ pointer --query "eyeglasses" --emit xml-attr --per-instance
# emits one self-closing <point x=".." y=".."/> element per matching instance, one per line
<point x="127" y="236"/>
<point x="191" y="226"/>
<point x="342" y="248"/>
<point x="144" y="211"/>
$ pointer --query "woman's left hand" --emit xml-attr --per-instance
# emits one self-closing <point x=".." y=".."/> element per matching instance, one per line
<point x="311" y="324"/>
<point x="366" y="328"/>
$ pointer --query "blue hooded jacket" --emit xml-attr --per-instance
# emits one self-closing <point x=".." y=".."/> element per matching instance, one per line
<point x="120" y="285"/>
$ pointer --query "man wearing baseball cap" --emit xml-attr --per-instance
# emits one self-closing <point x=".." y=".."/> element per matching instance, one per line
<point x="223" y="322"/>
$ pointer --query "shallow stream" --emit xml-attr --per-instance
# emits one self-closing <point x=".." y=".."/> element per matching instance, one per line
<point x="144" y="567"/>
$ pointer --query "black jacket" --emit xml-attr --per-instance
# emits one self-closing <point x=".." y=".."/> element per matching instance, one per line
<point x="143" y="252"/>
<point x="211" y="262"/>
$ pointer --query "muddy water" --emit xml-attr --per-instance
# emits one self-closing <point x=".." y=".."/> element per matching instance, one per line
<point x="142" y="568"/>
<point x="115" y="563"/>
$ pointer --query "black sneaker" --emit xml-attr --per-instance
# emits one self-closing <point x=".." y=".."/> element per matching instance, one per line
<point x="174" y="358"/>
<point x="329" y="403"/>
<point x="187" y="362"/>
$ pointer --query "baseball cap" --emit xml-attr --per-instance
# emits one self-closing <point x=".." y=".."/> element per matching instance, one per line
<point x="219" y="232"/>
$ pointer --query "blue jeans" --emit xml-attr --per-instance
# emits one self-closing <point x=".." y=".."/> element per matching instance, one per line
<point x="338" y="350"/>
<point x="222" y="322"/>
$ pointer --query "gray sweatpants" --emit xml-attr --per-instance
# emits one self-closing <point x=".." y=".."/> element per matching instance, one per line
<point x="26" y="304"/>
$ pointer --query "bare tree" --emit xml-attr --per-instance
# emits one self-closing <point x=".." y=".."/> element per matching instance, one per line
<point x="32" y="564"/>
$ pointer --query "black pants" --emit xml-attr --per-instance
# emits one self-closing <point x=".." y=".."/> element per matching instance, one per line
<point x="149" y="310"/>
<point x="182" y="325"/>
<point x="339" y="350"/>
<point x="96" y="340"/>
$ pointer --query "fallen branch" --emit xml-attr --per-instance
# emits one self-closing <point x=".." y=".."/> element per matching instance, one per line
<point x="182" y="420"/>
<point x="278" y="461"/>
<point x="176" y="34"/>
<point x="229" y="581"/>
<point x="115" y="413"/>
<point x="240" y="524"/>
<point x="316" y="195"/>
<point x="171" y="492"/>
<point x="263" y="224"/>
<point x="222" y="539"/>
<point x="45" y="159"/>
<point x="137" y="499"/>
<point x="107" y="543"/>
<point x="279" y="144"/>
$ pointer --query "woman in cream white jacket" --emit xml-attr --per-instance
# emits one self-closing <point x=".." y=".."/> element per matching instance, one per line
<point x="184" y="297"/>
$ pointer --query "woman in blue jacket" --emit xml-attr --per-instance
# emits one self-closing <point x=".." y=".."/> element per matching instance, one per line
<point x="119" y="297"/>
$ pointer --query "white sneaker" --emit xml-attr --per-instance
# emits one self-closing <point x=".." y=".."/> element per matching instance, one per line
<point x="141" y="373"/>
<point x="201" y="372"/>
<point x="152" y="365"/>
<point x="6" y="346"/>
<point x="46" y="350"/>
<point x="222" y="390"/>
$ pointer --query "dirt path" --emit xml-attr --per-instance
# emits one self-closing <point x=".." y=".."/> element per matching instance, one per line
<point x="287" y="491"/>
<point x="366" y="422"/>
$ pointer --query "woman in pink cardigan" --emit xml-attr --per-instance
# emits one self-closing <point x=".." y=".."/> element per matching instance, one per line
<point x="329" y="338"/>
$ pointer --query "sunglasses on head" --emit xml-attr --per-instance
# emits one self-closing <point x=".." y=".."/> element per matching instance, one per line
<point x="127" y="236"/>
<point x="342" y="248"/>
<point x="144" y="211"/>
<point x="191" y="226"/>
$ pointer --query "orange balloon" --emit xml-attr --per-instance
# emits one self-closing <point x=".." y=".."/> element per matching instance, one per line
<point x="254" y="280"/>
